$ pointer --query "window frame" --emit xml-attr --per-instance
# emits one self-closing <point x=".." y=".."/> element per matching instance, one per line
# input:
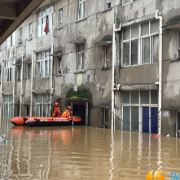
<point x="42" y="62"/>
<point x="30" y="30"/>
<point x="19" y="72"/>
<point x="140" y="105"/>
<point x="60" y="19"/>
<point x="10" y="70"/>
<point x="79" y="53"/>
<point x="20" y="35"/>
<point x="40" y="19"/>
<point x="178" y="43"/>
<point x="8" y="104"/>
<point x="41" y="105"/>
<point x="131" y="1"/>
<point x="139" y="38"/>
<point x="84" y="10"/>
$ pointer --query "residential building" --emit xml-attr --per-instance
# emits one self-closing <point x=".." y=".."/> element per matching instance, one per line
<point x="66" y="50"/>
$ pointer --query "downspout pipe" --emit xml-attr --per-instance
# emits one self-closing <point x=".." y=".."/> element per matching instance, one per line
<point x="21" y="94"/>
<point x="113" y="69"/>
<point x="158" y="16"/>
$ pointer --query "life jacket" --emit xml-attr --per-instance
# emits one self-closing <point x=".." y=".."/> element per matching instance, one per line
<point x="66" y="114"/>
<point x="56" y="112"/>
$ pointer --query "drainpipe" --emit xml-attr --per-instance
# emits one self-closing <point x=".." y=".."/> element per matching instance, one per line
<point x="32" y="81"/>
<point x="113" y="64"/>
<point x="21" y="95"/>
<point x="158" y="16"/>
<point x="51" y="81"/>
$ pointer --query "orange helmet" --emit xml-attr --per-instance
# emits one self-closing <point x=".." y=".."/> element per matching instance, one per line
<point x="56" y="104"/>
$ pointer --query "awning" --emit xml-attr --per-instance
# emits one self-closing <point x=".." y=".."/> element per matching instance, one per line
<point x="28" y="61"/>
<point x="171" y="109"/>
<point x="145" y="18"/>
<point x="41" y="92"/>
<point x="104" y="106"/>
<point x="18" y="63"/>
<point x="78" y="41"/>
<point x="77" y="99"/>
<point x="42" y="49"/>
<point x="139" y="87"/>
<point x="174" y="25"/>
<point x="105" y="41"/>
<point x="57" y="55"/>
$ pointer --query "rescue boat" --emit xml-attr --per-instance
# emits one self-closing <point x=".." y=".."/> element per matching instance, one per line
<point x="46" y="121"/>
<point x="53" y="121"/>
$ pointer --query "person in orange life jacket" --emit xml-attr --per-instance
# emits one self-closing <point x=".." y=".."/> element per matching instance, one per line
<point x="56" y="110"/>
<point x="68" y="112"/>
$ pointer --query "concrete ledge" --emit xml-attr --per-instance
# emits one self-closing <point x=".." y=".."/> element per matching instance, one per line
<point x="81" y="20"/>
<point x="139" y="87"/>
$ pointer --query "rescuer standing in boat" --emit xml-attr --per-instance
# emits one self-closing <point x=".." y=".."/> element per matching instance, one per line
<point x="56" y="110"/>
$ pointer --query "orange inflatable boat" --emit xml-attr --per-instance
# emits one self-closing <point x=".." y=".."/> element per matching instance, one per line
<point x="46" y="121"/>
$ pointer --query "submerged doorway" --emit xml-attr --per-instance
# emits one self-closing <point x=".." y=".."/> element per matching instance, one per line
<point x="80" y="110"/>
<point x="150" y="119"/>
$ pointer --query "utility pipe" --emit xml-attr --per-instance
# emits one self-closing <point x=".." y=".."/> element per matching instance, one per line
<point x="21" y="94"/>
<point x="158" y="16"/>
<point x="32" y="80"/>
<point x="113" y="64"/>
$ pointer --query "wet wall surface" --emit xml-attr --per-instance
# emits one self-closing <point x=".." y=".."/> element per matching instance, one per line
<point x="84" y="153"/>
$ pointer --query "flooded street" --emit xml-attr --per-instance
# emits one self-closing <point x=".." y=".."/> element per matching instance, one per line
<point x="84" y="153"/>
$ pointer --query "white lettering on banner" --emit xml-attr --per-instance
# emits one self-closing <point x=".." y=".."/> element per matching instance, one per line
<point x="60" y="120"/>
<point x="43" y="120"/>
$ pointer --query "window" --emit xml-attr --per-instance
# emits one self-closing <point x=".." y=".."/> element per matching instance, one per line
<point x="8" y="70"/>
<point x="124" y="2"/>
<point x="19" y="73"/>
<point x="20" y="35"/>
<point x="44" y="64"/>
<point x="132" y="102"/>
<point x="45" y="20"/>
<point x="80" y="57"/>
<point x="59" y="70"/>
<point x="42" y="105"/>
<point x="107" y="56"/>
<point x="10" y="41"/>
<point x="82" y="9"/>
<point x="178" y="43"/>
<point x="140" y="48"/>
<point x="60" y="18"/>
<point x="8" y="106"/>
<point x="28" y="70"/>
<point x="30" y="31"/>
<point x="108" y="6"/>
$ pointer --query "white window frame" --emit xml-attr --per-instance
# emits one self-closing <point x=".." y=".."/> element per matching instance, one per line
<point x="78" y="54"/>
<point x="20" y="35"/>
<point x="178" y="43"/>
<point x="140" y="105"/>
<point x="58" y="66"/>
<point x="19" y="72"/>
<point x="30" y="31"/>
<point x="84" y="10"/>
<point x="42" y="66"/>
<point x="139" y="39"/>
<point x="40" y="19"/>
<point x="60" y="21"/>
<point x="10" y="102"/>
<point x="9" y="68"/>
<point x="131" y="1"/>
<point x="40" y="106"/>
<point x="106" y="58"/>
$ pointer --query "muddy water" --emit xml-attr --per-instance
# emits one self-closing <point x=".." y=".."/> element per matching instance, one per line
<point x="84" y="153"/>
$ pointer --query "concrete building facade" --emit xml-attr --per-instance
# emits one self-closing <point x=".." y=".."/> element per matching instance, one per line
<point x="73" y="60"/>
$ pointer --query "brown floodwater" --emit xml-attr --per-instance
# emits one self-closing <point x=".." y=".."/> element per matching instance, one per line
<point x="84" y="153"/>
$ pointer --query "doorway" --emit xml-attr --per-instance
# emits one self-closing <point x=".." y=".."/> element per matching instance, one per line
<point x="150" y="117"/>
<point x="80" y="110"/>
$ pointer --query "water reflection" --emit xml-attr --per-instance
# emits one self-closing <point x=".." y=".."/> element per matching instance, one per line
<point x="84" y="153"/>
